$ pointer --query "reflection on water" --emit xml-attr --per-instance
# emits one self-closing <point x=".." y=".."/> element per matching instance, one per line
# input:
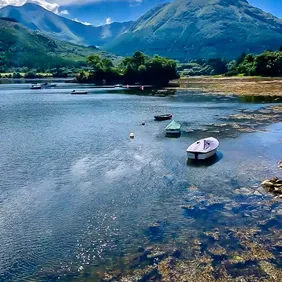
<point x="206" y="163"/>
<point x="81" y="201"/>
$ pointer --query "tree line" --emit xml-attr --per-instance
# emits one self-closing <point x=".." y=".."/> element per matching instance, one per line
<point x="269" y="63"/>
<point x="139" y="68"/>
<point x="156" y="70"/>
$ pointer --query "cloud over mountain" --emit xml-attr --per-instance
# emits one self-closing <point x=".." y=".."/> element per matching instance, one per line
<point x="53" y="7"/>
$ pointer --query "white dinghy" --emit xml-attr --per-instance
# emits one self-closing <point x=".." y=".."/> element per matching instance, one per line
<point x="203" y="149"/>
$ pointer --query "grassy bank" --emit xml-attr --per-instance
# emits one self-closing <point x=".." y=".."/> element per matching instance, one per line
<point x="22" y="74"/>
<point x="257" y="86"/>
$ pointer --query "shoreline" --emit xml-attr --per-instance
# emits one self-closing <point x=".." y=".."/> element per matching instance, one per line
<point x="240" y="86"/>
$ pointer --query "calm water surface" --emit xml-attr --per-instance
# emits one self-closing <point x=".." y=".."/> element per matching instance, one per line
<point x="76" y="193"/>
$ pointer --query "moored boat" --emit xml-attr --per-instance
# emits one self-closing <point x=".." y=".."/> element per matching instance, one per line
<point x="75" y="92"/>
<point x="174" y="128"/>
<point x="203" y="149"/>
<point x="163" y="117"/>
<point x="36" y="86"/>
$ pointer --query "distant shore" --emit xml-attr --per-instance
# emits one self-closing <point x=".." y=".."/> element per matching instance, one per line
<point x="254" y="86"/>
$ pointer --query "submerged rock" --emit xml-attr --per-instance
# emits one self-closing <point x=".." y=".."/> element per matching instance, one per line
<point x="155" y="228"/>
<point x="217" y="250"/>
<point x="244" y="191"/>
<point x="214" y="235"/>
<point x="274" y="273"/>
<point x="187" y="207"/>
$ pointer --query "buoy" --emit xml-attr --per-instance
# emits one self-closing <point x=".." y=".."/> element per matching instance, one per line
<point x="131" y="135"/>
<point x="143" y="123"/>
<point x="142" y="87"/>
<point x="127" y="86"/>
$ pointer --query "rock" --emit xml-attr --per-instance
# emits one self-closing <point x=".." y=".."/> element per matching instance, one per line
<point x="267" y="183"/>
<point x="217" y="250"/>
<point x="279" y="212"/>
<point x="187" y="207"/>
<point x="160" y="255"/>
<point x="107" y="278"/>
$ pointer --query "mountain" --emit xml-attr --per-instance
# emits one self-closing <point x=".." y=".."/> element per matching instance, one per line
<point x="37" y="18"/>
<point x="20" y="46"/>
<point x="187" y="29"/>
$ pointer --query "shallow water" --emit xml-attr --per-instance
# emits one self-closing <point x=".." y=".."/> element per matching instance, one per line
<point x="77" y="195"/>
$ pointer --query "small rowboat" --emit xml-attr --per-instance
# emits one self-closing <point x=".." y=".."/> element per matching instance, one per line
<point x="163" y="117"/>
<point x="74" y="92"/>
<point x="36" y="86"/>
<point x="203" y="149"/>
<point x="173" y="128"/>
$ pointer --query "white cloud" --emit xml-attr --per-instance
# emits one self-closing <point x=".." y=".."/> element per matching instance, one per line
<point x="53" y="7"/>
<point x="108" y="21"/>
<point x="78" y="21"/>
<point x="64" y="12"/>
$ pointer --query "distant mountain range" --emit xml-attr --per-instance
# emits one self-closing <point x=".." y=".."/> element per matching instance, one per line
<point x="20" y="47"/>
<point x="183" y="29"/>
<point x="37" y="18"/>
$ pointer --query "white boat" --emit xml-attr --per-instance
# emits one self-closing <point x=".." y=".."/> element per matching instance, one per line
<point x="173" y="128"/>
<point x="203" y="149"/>
<point x="79" y="92"/>
<point x="36" y="86"/>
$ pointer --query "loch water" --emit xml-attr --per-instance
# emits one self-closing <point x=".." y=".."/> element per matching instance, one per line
<point x="78" y="196"/>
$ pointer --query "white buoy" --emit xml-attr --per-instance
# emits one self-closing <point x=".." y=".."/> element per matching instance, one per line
<point x="131" y="135"/>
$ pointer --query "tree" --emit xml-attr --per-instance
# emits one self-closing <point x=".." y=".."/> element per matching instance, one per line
<point x="138" y="68"/>
<point x="95" y="62"/>
<point x="241" y="58"/>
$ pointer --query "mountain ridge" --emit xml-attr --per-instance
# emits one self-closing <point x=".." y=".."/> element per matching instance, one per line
<point x="36" y="17"/>
<point x="22" y="47"/>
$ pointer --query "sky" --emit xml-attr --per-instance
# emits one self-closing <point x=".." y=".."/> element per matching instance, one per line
<point x="99" y="12"/>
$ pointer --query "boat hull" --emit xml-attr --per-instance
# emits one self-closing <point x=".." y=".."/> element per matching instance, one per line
<point x="79" y="93"/>
<point x="172" y="132"/>
<point x="163" y="117"/>
<point x="200" y="156"/>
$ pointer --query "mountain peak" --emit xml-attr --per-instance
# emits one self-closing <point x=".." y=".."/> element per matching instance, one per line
<point x="33" y="6"/>
<point x="188" y="29"/>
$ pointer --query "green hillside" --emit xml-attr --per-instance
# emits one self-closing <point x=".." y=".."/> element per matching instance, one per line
<point x="35" y="17"/>
<point x="188" y="29"/>
<point x="20" y="47"/>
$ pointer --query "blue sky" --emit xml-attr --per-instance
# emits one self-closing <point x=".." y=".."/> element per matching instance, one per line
<point x="272" y="6"/>
<point x="101" y="11"/>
